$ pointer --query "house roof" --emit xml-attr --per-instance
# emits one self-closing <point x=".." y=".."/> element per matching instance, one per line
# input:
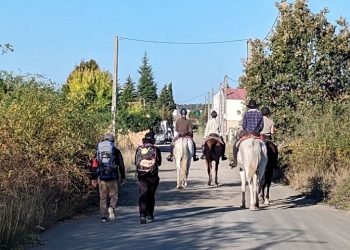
<point x="236" y="94"/>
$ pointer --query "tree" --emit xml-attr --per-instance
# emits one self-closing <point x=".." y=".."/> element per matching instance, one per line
<point x="304" y="62"/>
<point x="89" y="87"/>
<point x="166" y="102"/>
<point x="147" y="88"/>
<point x="128" y="93"/>
<point x="6" y="48"/>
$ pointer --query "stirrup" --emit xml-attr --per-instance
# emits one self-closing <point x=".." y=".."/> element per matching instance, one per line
<point x="223" y="157"/>
<point x="195" y="158"/>
<point x="203" y="157"/>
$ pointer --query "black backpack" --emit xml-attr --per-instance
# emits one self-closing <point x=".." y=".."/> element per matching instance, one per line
<point x="146" y="159"/>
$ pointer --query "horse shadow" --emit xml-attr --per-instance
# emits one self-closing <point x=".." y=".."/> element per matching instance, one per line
<point x="293" y="201"/>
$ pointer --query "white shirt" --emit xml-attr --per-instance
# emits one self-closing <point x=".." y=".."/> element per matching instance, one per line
<point x="213" y="126"/>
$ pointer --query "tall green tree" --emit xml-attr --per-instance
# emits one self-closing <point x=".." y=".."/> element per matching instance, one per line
<point x="166" y="102"/>
<point x="304" y="62"/>
<point x="128" y="93"/>
<point x="147" y="88"/>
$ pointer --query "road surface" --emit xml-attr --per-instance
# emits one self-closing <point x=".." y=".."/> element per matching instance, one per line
<point x="203" y="217"/>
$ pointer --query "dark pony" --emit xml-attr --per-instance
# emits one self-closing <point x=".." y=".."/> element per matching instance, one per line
<point x="272" y="163"/>
<point x="213" y="149"/>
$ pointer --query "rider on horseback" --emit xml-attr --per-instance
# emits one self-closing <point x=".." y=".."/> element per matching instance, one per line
<point x="183" y="128"/>
<point x="253" y="124"/>
<point x="269" y="125"/>
<point x="213" y="128"/>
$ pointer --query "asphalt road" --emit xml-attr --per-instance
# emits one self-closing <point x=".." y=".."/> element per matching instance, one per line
<point x="203" y="217"/>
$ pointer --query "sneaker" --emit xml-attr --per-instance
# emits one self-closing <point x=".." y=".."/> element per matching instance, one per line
<point x="195" y="158"/>
<point x="111" y="214"/>
<point x="203" y="157"/>
<point x="143" y="220"/>
<point x="223" y="157"/>
<point x="169" y="158"/>
<point x="104" y="219"/>
<point x="150" y="219"/>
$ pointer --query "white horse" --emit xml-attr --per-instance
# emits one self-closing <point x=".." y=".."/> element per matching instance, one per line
<point x="183" y="153"/>
<point x="252" y="160"/>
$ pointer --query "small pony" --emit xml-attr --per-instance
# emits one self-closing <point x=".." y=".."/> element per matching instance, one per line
<point x="183" y="154"/>
<point x="213" y="150"/>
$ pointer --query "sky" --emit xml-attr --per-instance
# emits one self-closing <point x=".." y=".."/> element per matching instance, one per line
<point x="51" y="37"/>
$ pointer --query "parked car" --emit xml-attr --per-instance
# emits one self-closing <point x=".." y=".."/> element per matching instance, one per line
<point x="165" y="133"/>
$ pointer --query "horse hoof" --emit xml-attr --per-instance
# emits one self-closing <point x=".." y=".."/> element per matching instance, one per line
<point x="254" y="208"/>
<point x="266" y="202"/>
<point x="209" y="183"/>
<point x="243" y="206"/>
<point x="217" y="183"/>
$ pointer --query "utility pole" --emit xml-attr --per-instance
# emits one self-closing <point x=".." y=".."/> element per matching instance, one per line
<point x="224" y="124"/>
<point x="205" y="104"/>
<point x="114" y="87"/>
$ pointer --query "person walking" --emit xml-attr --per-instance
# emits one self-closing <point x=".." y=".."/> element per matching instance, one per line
<point x="110" y="163"/>
<point x="147" y="160"/>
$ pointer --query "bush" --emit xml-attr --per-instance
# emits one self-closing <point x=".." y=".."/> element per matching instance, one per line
<point x="45" y="145"/>
<point x="320" y="152"/>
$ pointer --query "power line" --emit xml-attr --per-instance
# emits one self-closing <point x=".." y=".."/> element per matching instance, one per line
<point x="182" y="43"/>
<point x="273" y="25"/>
<point x="231" y="79"/>
<point x="183" y="102"/>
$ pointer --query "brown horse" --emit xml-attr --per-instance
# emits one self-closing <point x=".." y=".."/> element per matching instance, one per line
<point x="213" y="149"/>
<point x="272" y="163"/>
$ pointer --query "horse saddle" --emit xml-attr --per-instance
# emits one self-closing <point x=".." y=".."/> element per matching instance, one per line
<point x="214" y="136"/>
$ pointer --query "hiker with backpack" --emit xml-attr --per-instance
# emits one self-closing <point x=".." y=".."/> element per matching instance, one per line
<point x="110" y="164"/>
<point x="147" y="160"/>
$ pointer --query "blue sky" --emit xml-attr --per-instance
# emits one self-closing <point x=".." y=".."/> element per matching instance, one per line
<point x="50" y="37"/>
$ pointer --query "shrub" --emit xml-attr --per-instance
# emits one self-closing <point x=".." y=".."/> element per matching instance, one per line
<point x="320" y="150"/>
<point x="45" y="143"/>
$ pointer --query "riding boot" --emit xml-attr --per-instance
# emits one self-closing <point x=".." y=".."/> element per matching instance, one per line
<point x="223" y="156"/>
<point x="195" y="156"/>
<point x="233" y="162"/>
<point x="171" y="155"/>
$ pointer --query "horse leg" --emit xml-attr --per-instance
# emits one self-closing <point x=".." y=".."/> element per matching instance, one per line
<point x="216" y="172"/>
<point x="262" y="192"/>
<point x="209" y="167"/>
<point x="254" y="203"/>
<point x="267" y="194"/>
<point x="243" y="186"/>
<point x="178" y="177"/>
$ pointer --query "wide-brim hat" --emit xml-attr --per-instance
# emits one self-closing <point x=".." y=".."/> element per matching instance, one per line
<point x="252" y="104"/>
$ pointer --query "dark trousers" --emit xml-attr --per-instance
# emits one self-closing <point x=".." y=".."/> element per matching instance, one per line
<point x="147" y="189"/>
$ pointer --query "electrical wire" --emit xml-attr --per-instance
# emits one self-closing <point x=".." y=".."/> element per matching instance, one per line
<point x="272" y="27"/>
<point x="183" y="102"/>
<point x="182" y="43"/>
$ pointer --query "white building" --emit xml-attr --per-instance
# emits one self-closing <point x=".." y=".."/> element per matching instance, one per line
<point x="230" y="106"/>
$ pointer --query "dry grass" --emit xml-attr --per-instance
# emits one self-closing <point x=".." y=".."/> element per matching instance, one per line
<point x="127" y="145"/>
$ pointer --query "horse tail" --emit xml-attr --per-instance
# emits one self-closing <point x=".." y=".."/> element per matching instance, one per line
<point x="186" y="154"/>
<point x="255" y="159"/>
<point x="263" y="158"/>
